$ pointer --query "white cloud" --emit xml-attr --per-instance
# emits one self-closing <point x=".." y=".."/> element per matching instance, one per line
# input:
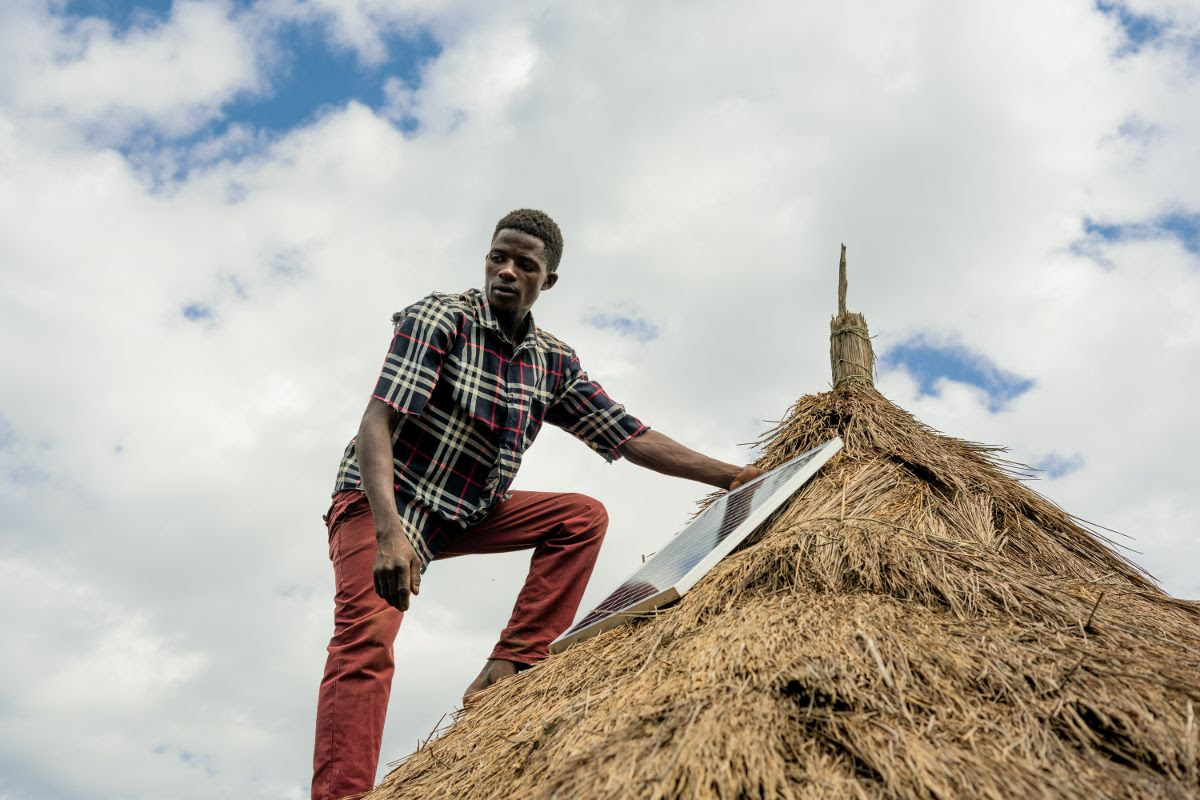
<point x="704" y="162"/>
<point x="479" y="77"/>
<point x="172" y="75"/>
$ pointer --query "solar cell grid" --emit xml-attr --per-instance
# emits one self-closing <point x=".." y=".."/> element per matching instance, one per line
<point x="678" y="565"/>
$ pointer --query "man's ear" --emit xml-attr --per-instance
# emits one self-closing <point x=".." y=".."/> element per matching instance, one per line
<point x="551" y="279"/>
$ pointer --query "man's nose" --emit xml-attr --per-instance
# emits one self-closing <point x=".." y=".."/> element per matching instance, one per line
<point x="508" y="271"/>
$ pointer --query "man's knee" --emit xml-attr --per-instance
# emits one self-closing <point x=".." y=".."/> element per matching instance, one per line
<point x="368" y="629"/>
<point x="590" y="511"/>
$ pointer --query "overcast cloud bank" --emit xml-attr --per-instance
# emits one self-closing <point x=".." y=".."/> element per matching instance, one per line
<point x="196" y="304"/>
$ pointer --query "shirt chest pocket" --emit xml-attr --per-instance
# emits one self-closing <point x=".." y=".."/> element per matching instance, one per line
<point x="536" y="416"/>
<point x="535" y="401"/>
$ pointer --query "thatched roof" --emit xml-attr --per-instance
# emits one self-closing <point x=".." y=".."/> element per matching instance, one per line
<point x="914" y="623"/>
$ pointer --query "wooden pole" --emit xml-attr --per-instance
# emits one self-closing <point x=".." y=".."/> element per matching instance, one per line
<point x="850" y="352"/>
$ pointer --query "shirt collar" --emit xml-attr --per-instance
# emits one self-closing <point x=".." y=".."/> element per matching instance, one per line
<point x="486" y="318"/>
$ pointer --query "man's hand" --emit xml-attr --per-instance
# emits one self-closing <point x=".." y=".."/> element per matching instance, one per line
<point x="748" y="473"/>
<point x="397" y="569"/>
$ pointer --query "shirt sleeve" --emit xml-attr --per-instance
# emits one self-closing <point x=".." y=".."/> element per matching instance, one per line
<point x="416" y="525"/>
<point x="583" y="409"/>
<point x="423" y="334"/>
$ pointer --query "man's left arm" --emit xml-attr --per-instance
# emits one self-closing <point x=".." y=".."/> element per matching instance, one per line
<point x="584" y="409"/>
<point x="661" y="453"/>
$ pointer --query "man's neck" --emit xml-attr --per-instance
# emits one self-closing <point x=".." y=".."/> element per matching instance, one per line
<point x="511" y="325"/>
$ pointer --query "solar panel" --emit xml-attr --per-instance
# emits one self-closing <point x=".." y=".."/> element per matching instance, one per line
<point x="710" y="536"/>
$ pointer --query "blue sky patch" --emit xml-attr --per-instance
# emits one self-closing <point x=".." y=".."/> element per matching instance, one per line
<point x="1139" y="29"/>
<point x="624" y="324"/>
<point x="1057" y="465"/>
<point x="122" y="14"/>
<point x="197" y="312"/>
<point x="1109" y="233"/>
<point x="1185" y="228"/>
<point x="930" y="362"/>
<point x="1179" y="225"/>
<point x="314" y="75"/>
<point x="1136" y="129"/>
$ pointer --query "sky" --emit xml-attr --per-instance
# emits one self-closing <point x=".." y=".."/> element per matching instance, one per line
<point x="210" y="210"/>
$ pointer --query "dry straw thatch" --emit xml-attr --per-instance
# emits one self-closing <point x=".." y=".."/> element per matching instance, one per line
<point x="915" y="623"/>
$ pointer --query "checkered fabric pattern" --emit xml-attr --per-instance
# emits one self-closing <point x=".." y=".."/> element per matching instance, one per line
<point x="471" y="402"/>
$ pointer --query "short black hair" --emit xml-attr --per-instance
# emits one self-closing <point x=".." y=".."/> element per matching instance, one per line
<point x="538" y="225"/>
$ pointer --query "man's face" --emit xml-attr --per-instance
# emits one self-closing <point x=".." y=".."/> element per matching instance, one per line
<point x="515" y="272"/>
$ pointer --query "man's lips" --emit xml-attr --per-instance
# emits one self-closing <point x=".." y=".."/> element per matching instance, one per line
<point x="504" y="289"/>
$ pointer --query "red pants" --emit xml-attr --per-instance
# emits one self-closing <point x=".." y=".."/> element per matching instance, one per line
<point x="565" y="532"/>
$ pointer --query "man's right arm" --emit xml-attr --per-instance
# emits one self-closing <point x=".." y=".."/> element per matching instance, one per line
<point x="397" y="569"/>
<point x="423" y="336"/>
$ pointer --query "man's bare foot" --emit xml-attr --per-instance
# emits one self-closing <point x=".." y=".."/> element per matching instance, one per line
<point x="494" y="671"/>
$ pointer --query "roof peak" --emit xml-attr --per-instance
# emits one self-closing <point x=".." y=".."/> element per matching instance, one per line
<point x="850" y="351"/>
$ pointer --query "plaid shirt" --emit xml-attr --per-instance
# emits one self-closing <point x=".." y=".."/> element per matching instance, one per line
<point x="470" y="404"/>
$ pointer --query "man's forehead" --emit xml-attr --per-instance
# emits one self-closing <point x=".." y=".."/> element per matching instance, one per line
<point x="521" y="241"/>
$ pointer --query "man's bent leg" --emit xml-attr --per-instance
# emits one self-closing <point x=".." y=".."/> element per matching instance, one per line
<point x="565" y="532"/>
<point x="352" y="703"/>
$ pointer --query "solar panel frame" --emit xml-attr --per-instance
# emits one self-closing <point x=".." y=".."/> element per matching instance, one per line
<point x="812" y="460"/>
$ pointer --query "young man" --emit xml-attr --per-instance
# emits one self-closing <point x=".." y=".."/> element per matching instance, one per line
<point x="466" y="385"/>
